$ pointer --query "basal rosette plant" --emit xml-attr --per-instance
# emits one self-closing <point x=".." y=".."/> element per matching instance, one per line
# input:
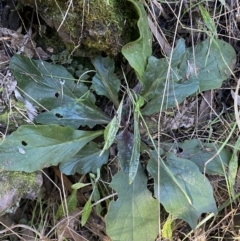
<point x="179" y="181"/>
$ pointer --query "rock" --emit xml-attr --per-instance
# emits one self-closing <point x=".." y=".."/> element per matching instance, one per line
<point x="17" y="185"/>
<point x="87" y="27"/>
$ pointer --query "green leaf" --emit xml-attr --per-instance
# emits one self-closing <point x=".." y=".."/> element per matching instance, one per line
<point x="210" y="65"/>
<point x="179" y="53"/>
<point x="87" y="160"/>
<point x="208" y="21"/>
<point x="214" y="62"/>
<point x="199" y="152"/>
<point x="192" y="182"/>
<point x="48" y="85"/>
<point x="176" y="94"/>
<point x="32" y="148"/>
<point x="154" y="77"/>
<point x="105" y="82"/>
<point x="86" y="212"/>
<point x="72" y="202"/>
<point x="96" y="197"/>
<point x="138" y="51"/>
<point x="167" y="230"/>
<point x="233" y="168"/>
<point x="53" y="87"/>
<point x="112" y="128"/>
<point x="74" y="115"/>
<point x="134" y="161"/>
<point x="79" y="185"/>
<point x="95" y="193"/>
<point x="134" y="209"/>
<point x="171" y="92"/>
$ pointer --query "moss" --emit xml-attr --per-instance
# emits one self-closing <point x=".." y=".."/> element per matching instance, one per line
<point x="17" y="185"/>
<point x="92" y="26"/>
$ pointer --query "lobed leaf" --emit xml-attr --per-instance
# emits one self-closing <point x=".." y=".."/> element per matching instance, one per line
<point x="190" y="180"/>
<point x="154" y="77"/>
<point x="134" y="216"/>
<point x="200" y="153"/>
<point x="87" y="160"/>
<point x="214" y="62"/>
<point x="105" y="82"/>
<point x="46" y="84"/>
<point x="54" y="88"/>
<point x="190" y="71"/>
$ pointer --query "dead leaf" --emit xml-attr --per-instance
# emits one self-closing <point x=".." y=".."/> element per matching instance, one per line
<point x="23" y="43"/>
<point x="184" y="117"/>
<point x="67" y="229"/>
